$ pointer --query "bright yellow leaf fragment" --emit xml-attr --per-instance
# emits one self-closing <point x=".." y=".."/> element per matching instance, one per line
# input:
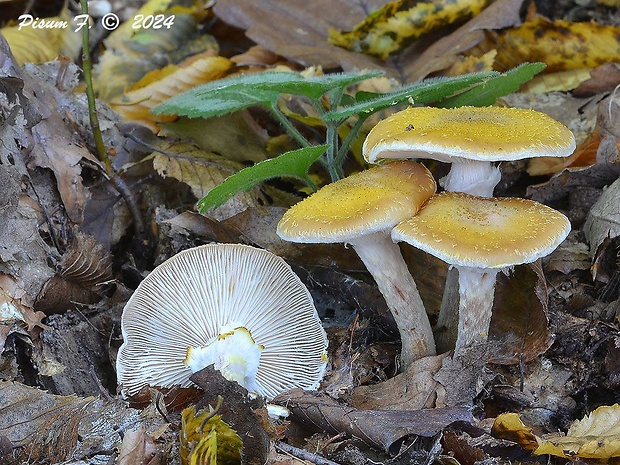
<point x="205" y="439"/>
<point x="596" y="436"/>
<point x="392" y="27"/>
<point x="509" y="426"/>
<point x="560" y="44"/>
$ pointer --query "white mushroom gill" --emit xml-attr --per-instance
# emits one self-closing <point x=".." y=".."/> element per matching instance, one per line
<point x="203" y="292"/>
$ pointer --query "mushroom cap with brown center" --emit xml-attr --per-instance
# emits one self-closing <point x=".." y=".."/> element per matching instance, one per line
<point x="364" y="203"/>
<point x="468" y="133"/>
<point x="480" y="232"/>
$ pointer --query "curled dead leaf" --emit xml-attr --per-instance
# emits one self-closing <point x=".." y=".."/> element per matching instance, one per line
<point x="383" y="429"/>
<point x="82" y="273"/>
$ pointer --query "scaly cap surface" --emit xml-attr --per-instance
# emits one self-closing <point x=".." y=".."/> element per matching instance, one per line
<point x="480" y="232"/>
<point x="364" y="203"/>
<point x="468" y="133"/>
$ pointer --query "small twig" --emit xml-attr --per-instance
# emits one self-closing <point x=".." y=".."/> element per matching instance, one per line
<point x="159" y="397"/>
<point x="303" y="454"/>
<point x="104" y="392"/>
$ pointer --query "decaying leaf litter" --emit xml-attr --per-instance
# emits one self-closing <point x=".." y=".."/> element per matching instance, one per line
<point x="72" y="251"/>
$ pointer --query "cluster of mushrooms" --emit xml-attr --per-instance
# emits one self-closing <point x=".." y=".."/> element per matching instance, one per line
<point x="253" y="319"/>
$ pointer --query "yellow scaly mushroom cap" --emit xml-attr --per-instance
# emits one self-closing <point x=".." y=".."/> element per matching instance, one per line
<point x="364" y="203"/>
<point x="468" y="133"/>
<point x="465" y="230"/>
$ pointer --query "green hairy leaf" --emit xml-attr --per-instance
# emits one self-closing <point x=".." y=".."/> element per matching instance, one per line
<point x="488" y="92"/>
<point x="226" y="95"/>
<point x="430" y="90"/>
<point x="294" y="164"/>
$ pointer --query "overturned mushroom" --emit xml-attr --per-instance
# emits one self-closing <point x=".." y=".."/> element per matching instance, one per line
<point x="480" y="236"/>
<point x="361" y="210"/>
<point x="471" y="138"/>
<point x="238" y="308"/>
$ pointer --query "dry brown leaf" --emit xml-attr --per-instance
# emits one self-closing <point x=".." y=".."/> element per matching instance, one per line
<point x="604" y="78"/>
<point x="15" y="317"/>
<point x="45" y="425"/>
<point x="519" y="325"/>
<point x="235" y="136"/>
<point x="41" y="426"/>
<point x="135" y="105"/>
<point x="137" y="448"/>
<point x="584" y="156"/>
<point x="302" y="28"/>
<point x="444" y="52"/>
<point x="379" y="428"/>
<point x="202" y="171"/>
<point x="604" y="218"/>
<point x="53" y="143"/>
<point x="413" y="389"/>
<point x="600" y="174"/>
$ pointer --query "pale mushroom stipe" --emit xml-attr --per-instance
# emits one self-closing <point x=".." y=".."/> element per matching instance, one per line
<point x="238" y="308"/>
<point x="481" y="236"/>
<point x="473" y="139"/>
<point x="361" y="210"/>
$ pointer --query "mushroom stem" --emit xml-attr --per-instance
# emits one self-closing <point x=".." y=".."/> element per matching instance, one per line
<point x="472" y="177"/>
<point x="476" y="291"/>
<point x="384" y="261"/>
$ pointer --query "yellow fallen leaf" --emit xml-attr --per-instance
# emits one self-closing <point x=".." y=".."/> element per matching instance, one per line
<point x="509" y="426"/>
<point x="596" y="436"/>
<point x="205" y="439"/>
<point x="40" y="44"/>
<point x="560" y="44"/>
<point x="131" y="53"/>
<point x="160" y="85"/>
<point x="392" y="27"/>
<point x="561" y="81"/>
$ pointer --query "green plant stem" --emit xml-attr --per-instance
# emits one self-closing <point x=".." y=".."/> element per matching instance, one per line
<point x="291" y="129"/>
<point x="346" y="144"/>
<point x="90" y="95"/>
<point x="334" y="169"/>
<point x="118" y="183"/>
